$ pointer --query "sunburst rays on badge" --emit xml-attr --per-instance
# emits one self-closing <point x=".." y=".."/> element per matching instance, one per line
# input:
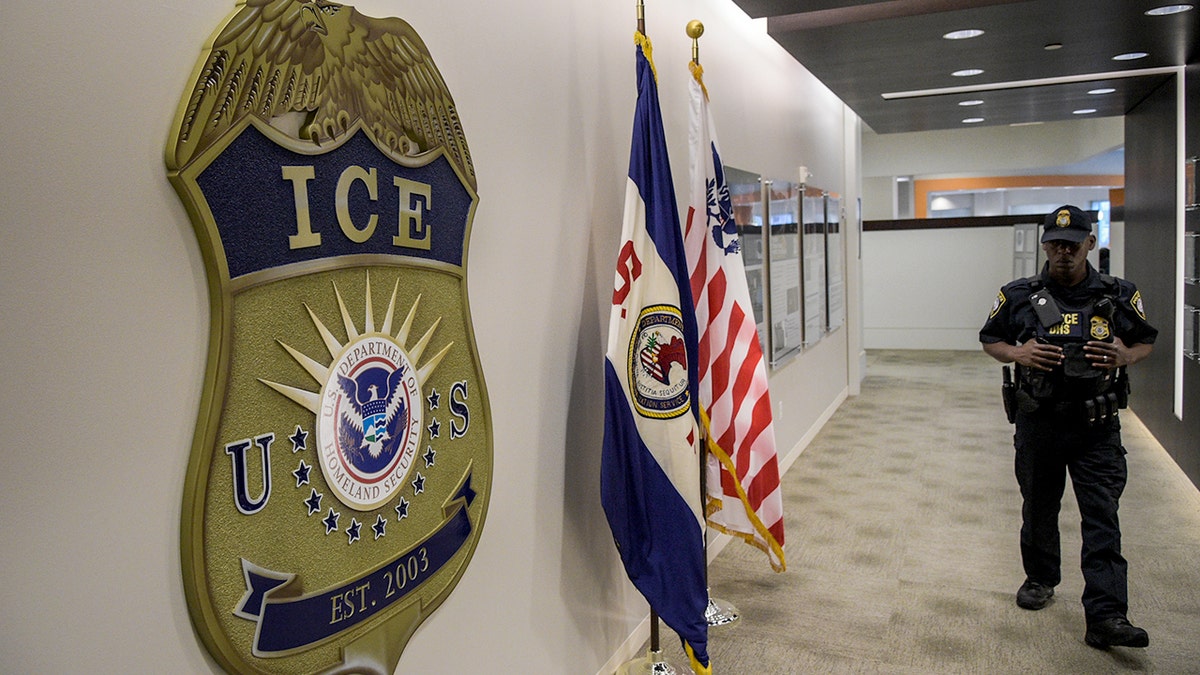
<point x="311" y="400"/>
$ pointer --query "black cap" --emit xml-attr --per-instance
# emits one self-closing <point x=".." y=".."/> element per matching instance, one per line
<point x="1067" y="223"/>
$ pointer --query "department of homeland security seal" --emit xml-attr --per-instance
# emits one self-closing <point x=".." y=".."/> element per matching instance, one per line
<point x="367" y="446"/>
<point x="342" y="462"/>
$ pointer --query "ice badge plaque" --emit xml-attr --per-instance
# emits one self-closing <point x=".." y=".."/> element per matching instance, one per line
<point x="342" y="460"/>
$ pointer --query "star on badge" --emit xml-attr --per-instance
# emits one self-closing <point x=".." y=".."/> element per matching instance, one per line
<point x="301" y="474"/>
<point x="418" y="484"/>
<point x="313" y="502"/>
<point x="380" y="526"/>
<point x="429" y="456"/>
<point x="354" y="530"/>
<point x="299" y="439"/>
<point x="402" y="509"/>
<point x="434" y="399"/>
<point x="331" y="521"/>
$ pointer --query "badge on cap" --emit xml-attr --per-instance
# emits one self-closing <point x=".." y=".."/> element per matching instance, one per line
<point x="1064" y="218"/>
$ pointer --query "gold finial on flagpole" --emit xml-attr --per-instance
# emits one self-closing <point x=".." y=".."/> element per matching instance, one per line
<point x="694" y="30"/>
<point x="641" y="7"/>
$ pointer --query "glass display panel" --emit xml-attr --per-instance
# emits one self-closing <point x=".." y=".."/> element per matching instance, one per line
<point x="1191" y="332"/>
<point x="745" y="192"/>
<point x="835" y="254"/>
<point x="1191" y="258"/>
<point x="1189" y="184"/>
<point x="783" y="211"/>
<point x="813" y="226"/>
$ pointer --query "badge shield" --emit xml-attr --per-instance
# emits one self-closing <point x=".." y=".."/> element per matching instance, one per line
<point x="342" y="462"/>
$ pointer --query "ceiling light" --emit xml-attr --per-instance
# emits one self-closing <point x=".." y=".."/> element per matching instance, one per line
<point x="967" y="72"/>
<point x="1105" y="90"/>
<point x="971" y="102"/>
<point x="1130" y="56"/>
<point x="1024" y="124"/>
<point x="963" y="34"/>
<point x="973" y="120"/>
<point x="1083" y="111"/>
<point x="1167" y="9"/>
<point x="1052" y="46"/>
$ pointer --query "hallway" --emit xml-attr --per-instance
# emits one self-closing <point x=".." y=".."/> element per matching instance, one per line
<point x="902" y="524"/>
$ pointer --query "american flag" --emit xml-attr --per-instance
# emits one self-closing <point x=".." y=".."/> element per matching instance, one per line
<point x="744" y="498"/>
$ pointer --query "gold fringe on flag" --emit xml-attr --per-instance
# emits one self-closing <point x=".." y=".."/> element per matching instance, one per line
<point x="697" y="668"/>
<point x="647" y="50"/>
<point x="698" y="73"/>
<point x="714" y="505"/>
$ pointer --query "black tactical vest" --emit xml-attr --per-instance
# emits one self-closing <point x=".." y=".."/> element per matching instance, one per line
<point x="1076" y="378"/>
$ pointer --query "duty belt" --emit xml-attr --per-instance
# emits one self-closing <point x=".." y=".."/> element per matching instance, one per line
<point x="1095" y="410"/>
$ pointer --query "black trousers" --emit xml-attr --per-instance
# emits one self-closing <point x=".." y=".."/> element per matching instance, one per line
<point x="1049" y="446"/>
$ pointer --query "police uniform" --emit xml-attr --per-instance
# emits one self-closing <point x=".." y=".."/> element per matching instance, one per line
<point x="1066" y="422"/>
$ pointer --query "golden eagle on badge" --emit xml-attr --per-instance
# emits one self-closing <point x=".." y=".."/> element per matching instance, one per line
<point x="313" y="69"/>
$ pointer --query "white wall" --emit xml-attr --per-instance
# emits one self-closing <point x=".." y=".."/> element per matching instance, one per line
<point x="932" y="289"/>
<point x="992" y="151"/>
<point x="106" y="311"/>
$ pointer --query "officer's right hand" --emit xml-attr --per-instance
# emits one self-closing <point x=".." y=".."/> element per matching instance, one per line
<point x="1039" y="355"/>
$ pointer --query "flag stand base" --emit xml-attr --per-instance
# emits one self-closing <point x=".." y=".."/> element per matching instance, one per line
<point x="652" y="663"/>
<point x="720" y="613"/>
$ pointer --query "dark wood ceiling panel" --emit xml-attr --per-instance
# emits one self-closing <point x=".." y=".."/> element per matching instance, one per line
<point x="862" y="50"/>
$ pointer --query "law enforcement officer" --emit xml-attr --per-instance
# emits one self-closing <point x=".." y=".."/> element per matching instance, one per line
<point x="1072" y="331"/>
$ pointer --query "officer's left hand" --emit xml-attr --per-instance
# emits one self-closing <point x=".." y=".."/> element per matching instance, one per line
<point x="1107" y="355"/>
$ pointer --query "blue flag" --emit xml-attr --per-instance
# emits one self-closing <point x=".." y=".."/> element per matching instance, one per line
<point x="650" y="467"/>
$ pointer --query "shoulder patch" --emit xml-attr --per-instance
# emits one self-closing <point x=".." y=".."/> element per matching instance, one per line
<point x="997" y="304"/>
<point x="1136" y="303"/>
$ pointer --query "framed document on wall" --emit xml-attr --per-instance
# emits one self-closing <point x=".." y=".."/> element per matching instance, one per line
<point x="813" y="227"/>
<point x="783" y="268"/>
<point x="835" y="254"/>
<point x="746" y="195"/>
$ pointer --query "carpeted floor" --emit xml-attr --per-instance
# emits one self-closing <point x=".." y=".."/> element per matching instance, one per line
<point x="902" y="521"/>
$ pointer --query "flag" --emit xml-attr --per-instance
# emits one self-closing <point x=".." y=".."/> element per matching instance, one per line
<point x="650" y="463"/>
<point x="744" y="497"/>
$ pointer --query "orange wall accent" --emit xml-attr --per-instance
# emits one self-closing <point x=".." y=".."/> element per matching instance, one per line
<point x="922" y="188"/>
<point x="1116" y="197"/>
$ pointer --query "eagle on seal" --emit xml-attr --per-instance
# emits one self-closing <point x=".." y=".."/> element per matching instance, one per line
<point x="314" y="68"/>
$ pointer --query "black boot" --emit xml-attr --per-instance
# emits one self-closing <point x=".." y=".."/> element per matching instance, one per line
<point x="1117" y="632"/>
<point x="1034" y="595"/>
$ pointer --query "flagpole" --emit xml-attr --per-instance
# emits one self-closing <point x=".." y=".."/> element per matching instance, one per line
<point x="694" y="30"/>
<point x="718" y="612"/>
<point x="653" y="663"/>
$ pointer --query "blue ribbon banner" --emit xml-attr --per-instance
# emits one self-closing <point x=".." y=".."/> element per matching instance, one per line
<point x="273" y="206"/>
<point x="294" y="624"/>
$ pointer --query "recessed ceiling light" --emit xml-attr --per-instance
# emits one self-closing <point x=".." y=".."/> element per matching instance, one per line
<point x="972" y="102"/>
<point x="1024" y="124"/>
<point x="1167" y="9"/>
<point x="973" y="120"/>
<point x="1104" y="90"/>
<point x="963" y="34"/>
<point x="1052" y="46"/>
<point x="1083" y="111"/>
<point x="968" y="72"/>
<point x="1130" y="56"/>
